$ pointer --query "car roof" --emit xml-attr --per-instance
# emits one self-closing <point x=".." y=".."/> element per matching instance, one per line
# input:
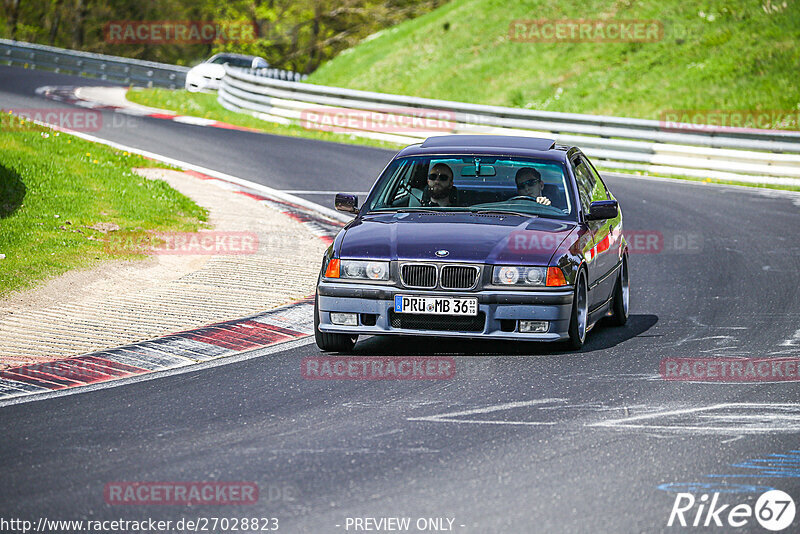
<point x="488" y="145"/>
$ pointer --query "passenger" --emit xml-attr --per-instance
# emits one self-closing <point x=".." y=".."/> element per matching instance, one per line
<point x="530" y="184"/>
<point x="440" y="190"/>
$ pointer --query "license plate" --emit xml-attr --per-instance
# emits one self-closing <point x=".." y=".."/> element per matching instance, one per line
<point x="435" y="305"/>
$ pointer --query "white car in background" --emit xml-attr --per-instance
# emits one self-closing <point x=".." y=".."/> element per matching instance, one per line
<point x="208" y="74"/>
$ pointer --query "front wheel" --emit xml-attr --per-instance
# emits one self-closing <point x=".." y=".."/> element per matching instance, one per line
<point x="580" y="314"/>
<point x="331" y="342"/>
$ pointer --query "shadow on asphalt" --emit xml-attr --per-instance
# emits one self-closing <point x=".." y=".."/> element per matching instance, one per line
<point x="12" y="192"/>
<point x="602" y="337"/>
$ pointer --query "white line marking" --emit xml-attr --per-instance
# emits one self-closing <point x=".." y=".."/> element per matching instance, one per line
<point x="626" y="423"/>
<point x="186" y="119"/>
<point x="745" y="417"/>
<point x="737" y="438"/>
<point x="448" y="417"/>
<point x="794" y="340"/>
<point x="613" y="422"/>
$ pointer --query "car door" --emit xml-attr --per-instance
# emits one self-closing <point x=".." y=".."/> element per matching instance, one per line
<point x="606" y="236"/>
<point x="585" y="187"/>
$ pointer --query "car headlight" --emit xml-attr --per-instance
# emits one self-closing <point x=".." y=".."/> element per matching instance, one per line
<point x="364" y="270"/>
<point x="508" y="275"/>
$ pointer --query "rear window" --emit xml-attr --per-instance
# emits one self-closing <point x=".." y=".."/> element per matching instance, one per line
<point x="479" y="183"/>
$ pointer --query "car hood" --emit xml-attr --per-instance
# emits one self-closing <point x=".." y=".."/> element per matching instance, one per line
<point x="467" y="237"/>
<point x="209" y="69"/>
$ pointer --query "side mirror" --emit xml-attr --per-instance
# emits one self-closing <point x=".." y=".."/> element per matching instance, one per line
<point x="346" y="202"/>
<point x="603" y="209"/>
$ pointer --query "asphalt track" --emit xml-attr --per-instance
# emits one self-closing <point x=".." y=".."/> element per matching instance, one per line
<point x="522" y="439"/>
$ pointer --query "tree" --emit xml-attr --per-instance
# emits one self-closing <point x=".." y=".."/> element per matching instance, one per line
<point x="12" y="17"/>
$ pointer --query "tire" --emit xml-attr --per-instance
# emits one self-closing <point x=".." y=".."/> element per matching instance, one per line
<point x="622" y="295"/>
<point x="580" y="314"/>
<point x="331" y="342"/>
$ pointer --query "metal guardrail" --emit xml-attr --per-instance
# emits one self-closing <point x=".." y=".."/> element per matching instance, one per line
<point x="752" y="156"/>
<point x="279" y="74"/>
<point x="112" y="68"/>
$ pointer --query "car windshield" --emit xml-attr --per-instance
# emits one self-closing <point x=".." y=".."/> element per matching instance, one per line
<point x="524" y="186"/>
<point x="233" y="61"/>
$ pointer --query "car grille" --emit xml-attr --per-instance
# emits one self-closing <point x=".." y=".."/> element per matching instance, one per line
<point x="458" y="277"/>
<point x="418" y="275"/>
<point x="449" y="323"/>
<point x="429" y="276"/>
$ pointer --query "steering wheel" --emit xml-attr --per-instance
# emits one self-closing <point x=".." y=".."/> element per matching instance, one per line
<point x="408" y="190"/>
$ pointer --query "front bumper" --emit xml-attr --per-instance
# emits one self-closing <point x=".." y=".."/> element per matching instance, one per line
<point x="501" y="308"/>
<point x="201" y="83"/>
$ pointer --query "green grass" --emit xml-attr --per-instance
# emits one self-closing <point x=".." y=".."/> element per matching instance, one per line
<point x="736" y="56"/>
<point x="205" y="105"/>
<point x="53" y="186"/>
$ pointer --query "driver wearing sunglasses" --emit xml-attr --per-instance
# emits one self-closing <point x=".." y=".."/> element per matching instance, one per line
<point x="530" y="183"/>
<point x="440" y="190"/>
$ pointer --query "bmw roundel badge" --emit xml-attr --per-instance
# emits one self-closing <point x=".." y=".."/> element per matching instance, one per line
<point x="442" y="253"/>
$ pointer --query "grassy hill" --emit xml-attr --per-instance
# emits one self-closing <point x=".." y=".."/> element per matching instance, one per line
<point x="714" y="55"/>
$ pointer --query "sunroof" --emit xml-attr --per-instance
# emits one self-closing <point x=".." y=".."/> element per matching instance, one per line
<point x="492" y="141"/>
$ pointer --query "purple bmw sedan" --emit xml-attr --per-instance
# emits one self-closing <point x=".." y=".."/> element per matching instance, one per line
<point x="496" y="237"/>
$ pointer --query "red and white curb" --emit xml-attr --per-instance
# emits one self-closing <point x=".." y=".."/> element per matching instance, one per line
<point x="180" y="349"/>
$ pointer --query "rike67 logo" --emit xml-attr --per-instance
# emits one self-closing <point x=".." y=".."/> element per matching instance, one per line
<point x="774" y="510"/>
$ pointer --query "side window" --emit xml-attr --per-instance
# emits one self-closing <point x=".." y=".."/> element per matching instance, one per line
<point x="402" y="183"/>
<point x="410" y="181"/>
<point x="599" y="191"/>
<point x="396" y="190"/>
<point x="585" y="183"/>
